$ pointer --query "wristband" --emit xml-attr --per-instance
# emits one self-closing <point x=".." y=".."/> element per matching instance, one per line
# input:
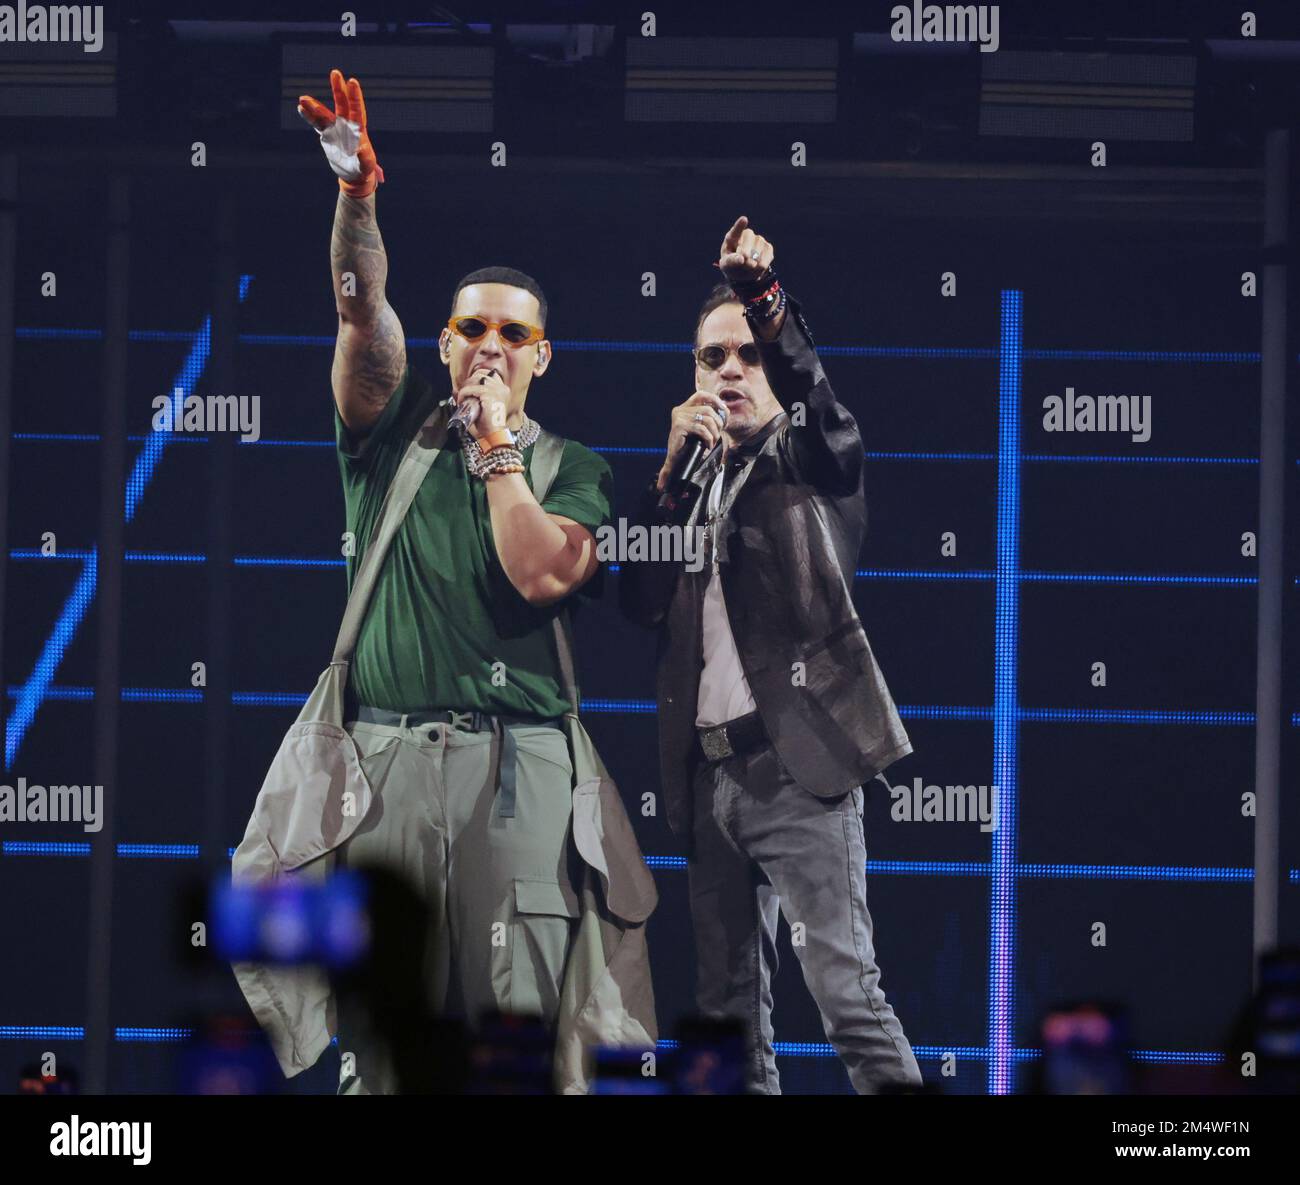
<point x="497" y="438"/>
<point x="366" y="186"/>
<point x="747" y="290"/>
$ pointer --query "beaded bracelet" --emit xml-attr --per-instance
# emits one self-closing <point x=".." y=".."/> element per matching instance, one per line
<point x="504" y="458"/>
<point x="768" y="307"/>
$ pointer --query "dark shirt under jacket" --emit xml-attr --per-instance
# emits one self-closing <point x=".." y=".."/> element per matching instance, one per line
<point x="793" y="521"/>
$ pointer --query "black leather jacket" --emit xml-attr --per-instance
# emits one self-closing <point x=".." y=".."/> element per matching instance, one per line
<point x="787" y="548"/>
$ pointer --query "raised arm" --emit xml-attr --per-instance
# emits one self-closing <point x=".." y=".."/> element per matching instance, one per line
<point x="370" y="352"/>
<point x="822" y="441"/>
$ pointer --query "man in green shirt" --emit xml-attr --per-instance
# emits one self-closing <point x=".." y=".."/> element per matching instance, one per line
<point x="455" y="675"/>
<point x="446" y="626"/>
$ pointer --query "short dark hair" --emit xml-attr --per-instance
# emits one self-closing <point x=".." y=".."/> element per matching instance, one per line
<point x="721" y="294"/>
<point x="504" y="275"/>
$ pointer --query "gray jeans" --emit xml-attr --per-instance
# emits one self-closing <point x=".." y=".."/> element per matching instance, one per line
<point x="762" y="842"/>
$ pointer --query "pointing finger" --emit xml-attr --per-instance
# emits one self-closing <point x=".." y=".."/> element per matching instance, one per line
<point x="732" y="236"/>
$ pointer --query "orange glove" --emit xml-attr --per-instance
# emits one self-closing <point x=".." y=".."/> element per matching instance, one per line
<point x="343" y="136"/>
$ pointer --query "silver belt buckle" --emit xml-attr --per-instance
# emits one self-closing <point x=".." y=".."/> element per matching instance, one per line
<point x="715" y="743"/>
<point x="461" y="719"/>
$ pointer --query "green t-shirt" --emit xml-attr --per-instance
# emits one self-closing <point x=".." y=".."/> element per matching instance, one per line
<point x="444" y="613"/>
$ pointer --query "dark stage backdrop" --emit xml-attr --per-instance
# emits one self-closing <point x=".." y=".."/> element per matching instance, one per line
<point x="1121" y="803"/>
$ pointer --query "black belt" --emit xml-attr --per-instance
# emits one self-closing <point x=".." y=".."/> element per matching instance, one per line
<point x="471" y="722"/>
<point x="734" y="737"/>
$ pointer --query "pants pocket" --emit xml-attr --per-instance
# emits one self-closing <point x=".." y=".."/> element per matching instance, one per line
<point x="550" y="744"/>
<point x="544" y="917"/>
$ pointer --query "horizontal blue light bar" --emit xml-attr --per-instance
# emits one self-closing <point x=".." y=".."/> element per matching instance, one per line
<point x="1029" y="871"/>
<point x="291" y="561"/>
<point x="59" y="692"/>
<point x="920" y="574"/>
<point x="676" y="862"/>
<point x="619" y="705"/>
<point x="1026" y="577"/>
<point x="803" y="1049"/>
<point x="74" y="437"/>
<point x="1236" y="356"/>
<point x="268" y="699"/>
<point x="906" y="351"/>
<point x="1130" y="578"/>
<point x="160" y="1035"/>
<point x="163" y="695"/>
<point x="42" y="1032"/>
<point x="179" y="557"/>
<point x="1136" y="459"/>
<point x="32" y="333"/>
<point x="1134" y="716"/>
<point x="1128" y="872"/>
<point x="929" y="867"/>
<point x="904" y="455"/>
<point x="628" y="450"/>
<point x="299" y="339"/>
<point x="159" y="851"/>
<point x="1176" y="1057"/>
<point x="49" y="333"/>
<point x="32" y="553"/>
<point x="146" y="695"/>
<point x="271" y="442"/>
<point x="1058" y="458"/>
<point x="943" y="712"/>
<point x="29" y="847"/>
<point x="164" y="557"/>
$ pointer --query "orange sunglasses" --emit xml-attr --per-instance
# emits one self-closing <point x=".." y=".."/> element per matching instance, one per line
<point x="512" y="333"/>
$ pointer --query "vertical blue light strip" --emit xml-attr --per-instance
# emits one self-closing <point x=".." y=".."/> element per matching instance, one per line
<point x="1002" y="890"/>
<point x="32" y="693"/>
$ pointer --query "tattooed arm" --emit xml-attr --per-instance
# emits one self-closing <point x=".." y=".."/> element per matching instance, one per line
<point x="370" y="353"/>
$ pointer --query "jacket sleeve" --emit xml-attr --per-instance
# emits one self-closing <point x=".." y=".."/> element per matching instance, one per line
<point x="645" y="589"/>
<point x="821" y="441"/>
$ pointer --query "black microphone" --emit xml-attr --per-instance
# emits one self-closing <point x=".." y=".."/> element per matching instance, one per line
<point x="680" y="492"/>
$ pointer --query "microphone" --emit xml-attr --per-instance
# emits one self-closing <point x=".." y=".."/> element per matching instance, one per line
<point x="467" y="411"/>
<point x="680" y="492"/>
<point x="465" y="414"/>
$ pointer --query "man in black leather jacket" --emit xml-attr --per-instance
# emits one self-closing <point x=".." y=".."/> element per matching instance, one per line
<point x="772" y="710"/>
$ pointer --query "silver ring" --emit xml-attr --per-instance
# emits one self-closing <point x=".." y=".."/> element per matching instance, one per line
<point x="699" y="417"/>
<point x="754" y="254"/>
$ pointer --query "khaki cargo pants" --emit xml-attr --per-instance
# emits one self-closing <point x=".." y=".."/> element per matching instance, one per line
<point x="500" y="891"/>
